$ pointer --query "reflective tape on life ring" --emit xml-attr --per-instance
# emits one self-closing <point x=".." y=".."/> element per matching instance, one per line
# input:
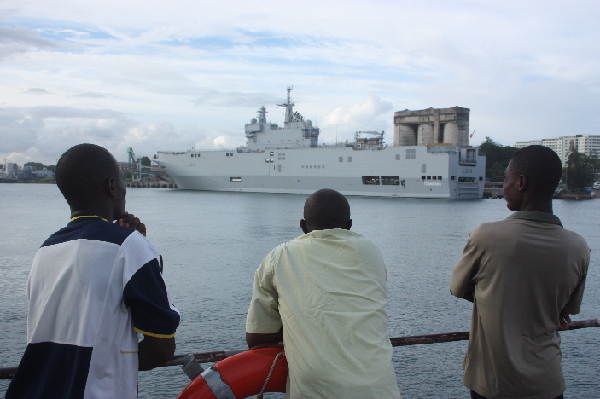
<point x="240" y="376"/>
<point x="220" y="389"/>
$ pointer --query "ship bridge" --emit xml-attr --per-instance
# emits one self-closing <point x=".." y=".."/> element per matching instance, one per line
<point x="296" y="131"/>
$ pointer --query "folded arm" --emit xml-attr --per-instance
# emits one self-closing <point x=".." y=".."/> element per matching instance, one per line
<point x="273" y="339"/>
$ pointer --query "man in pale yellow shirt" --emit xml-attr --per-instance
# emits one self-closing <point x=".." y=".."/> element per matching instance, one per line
<point x="324" y="295"/>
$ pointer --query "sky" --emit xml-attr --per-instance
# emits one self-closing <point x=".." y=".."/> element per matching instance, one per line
<point x="169" y="76"/>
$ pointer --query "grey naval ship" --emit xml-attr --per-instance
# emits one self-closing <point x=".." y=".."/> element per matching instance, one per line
<point x="289" y="159"/>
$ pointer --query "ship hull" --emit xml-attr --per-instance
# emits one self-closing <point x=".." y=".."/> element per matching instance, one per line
<point x="409" y="172"/>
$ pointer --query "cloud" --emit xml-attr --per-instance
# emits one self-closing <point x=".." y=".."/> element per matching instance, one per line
<point x="361" y="114"/>
<point x="46" y="132"/>
<point x="522" y="69"/>
<point x="226" y="141"/>
<point x="34" y="90"/>
<point x="92" y="95"/>
<point x="21" y="40"/>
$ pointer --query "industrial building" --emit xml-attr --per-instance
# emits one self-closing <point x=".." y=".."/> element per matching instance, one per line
<point x="432" y="126"/>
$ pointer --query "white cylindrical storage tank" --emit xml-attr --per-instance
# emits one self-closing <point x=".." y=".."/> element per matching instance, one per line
<point x="451" y="133"/>
<point x="425" y="134"/>
<point x="405" y="135"/>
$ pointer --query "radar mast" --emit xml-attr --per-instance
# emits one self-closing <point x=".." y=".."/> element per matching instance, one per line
<point x="289" y="107"/>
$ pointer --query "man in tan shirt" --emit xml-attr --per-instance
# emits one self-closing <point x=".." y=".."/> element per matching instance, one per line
<point x="525" y="275"/>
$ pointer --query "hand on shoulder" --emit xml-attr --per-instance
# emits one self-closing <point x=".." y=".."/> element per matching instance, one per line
<point x="131" y="222"/>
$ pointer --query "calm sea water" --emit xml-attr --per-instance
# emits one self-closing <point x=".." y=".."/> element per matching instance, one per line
<point x="213" y="242"/>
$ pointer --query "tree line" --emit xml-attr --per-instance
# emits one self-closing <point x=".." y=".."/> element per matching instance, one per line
<point x="579" y="172"/>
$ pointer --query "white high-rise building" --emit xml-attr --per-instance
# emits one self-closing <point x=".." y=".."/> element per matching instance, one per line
<point x="585" y="144"/>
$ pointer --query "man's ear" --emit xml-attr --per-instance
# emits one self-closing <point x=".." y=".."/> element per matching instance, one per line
<point x="523" y="183"/>
<point x="110" y="185"/>
<point x="303" y="226"/>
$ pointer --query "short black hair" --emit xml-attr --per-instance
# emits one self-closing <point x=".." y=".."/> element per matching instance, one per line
<point x="327" y="209"/>
<point x="541" y="165"/>
<point x="81" y="172"/>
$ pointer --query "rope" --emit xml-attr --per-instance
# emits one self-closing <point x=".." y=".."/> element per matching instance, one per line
<point x="262" y="390"/>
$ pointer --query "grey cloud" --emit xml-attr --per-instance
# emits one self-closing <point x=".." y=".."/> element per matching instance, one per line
<point x="51" y="130"/>
<point x="5" y="12"/>
<point x="20" y="40"/>
<point x="92" y="95"/>
<point x="72" y="112"/>
<point x="18" y="130"/>
<point x="23" y="128"/>
<point x="35" y="90"/>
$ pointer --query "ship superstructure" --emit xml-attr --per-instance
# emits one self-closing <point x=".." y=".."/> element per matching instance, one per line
<point x="288" y="159"/>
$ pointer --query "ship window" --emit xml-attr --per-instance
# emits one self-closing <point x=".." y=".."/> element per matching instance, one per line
<point x="341" y="159"/>
<point x="272" y="153"/>
<point x="279" y="158"/>
<point x="403" y="182"/>
<point x="235" y="179"/>
<point x="452" y="178"/>
<point x="423" y="177"/>
<point x="192" y="155"/>
<point x="370" y="180"/>
<point x="302" y="166"/>
<point x="349" y="159"/>
<point x="266" y="160"/>
<point x="397" y="157"/>
<point x="480" y="178"/>
<point x="464" y="179"/>
<point x="311" y="166"/>
<point x="434" y="177"/>
<point x="279" y="168"/>
<point x="439" y="177"/>
<point x="424" y="168"/>
<point x="411" y="153"/>
<point x="390" y="180"/>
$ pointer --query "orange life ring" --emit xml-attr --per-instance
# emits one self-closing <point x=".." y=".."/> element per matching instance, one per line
<point x="240" y="376"/>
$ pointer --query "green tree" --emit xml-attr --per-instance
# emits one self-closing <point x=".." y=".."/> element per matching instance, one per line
<point x="497" y="158"/>
<point x="146" y="161"/>
<point x="580" y="171"/>
<point x="36" y="165"/>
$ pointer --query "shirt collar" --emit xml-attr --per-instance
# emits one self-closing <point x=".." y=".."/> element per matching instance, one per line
<point x="329" y="232"/>
<point x="540" y="217"/>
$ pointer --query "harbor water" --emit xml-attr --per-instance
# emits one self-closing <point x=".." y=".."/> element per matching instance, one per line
<point x="213" y="242"/>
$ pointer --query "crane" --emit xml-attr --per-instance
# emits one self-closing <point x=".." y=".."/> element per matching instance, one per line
<point x="133" y="160"/>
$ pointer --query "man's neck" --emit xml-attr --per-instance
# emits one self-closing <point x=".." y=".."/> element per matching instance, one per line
<point x="93" y="211"/>
<point x="537" y="205"/>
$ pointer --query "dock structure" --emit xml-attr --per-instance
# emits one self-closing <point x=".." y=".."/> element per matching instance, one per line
<point x="432" y="126"/>
<point x="150" y="184"/>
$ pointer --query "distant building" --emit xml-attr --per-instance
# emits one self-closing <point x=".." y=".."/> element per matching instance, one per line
<point x="11" y="169"/>
<point x="432" y="126"/>
<point x="563" y="146"/>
